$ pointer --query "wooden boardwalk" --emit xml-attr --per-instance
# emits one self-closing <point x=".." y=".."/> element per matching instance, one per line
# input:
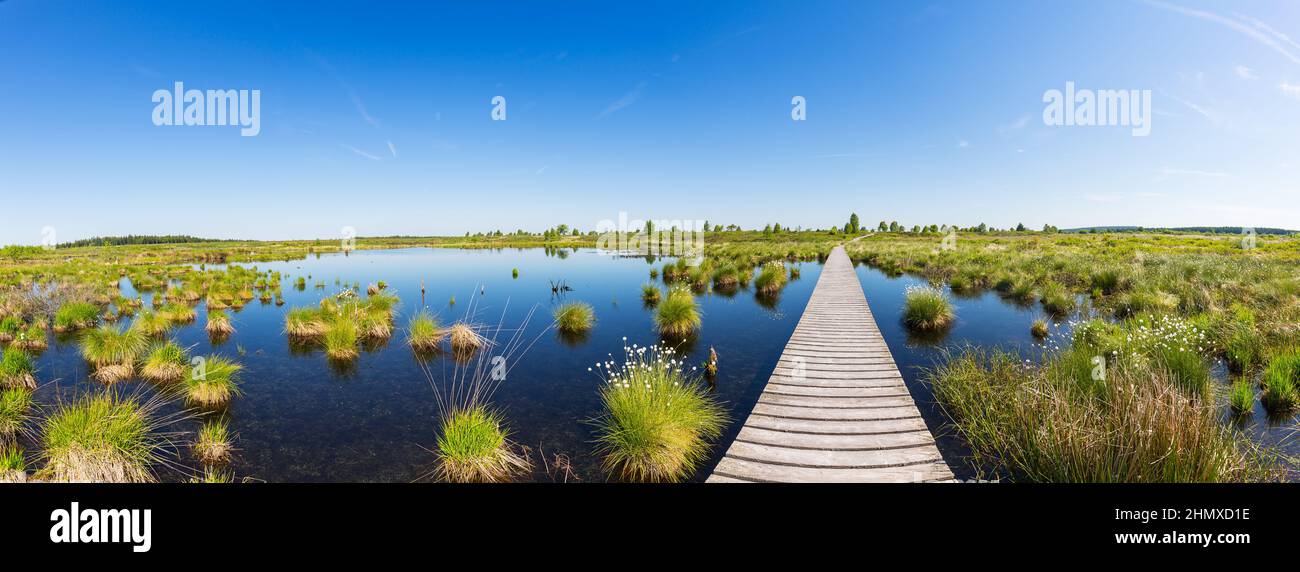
<point x="836" y="408"/>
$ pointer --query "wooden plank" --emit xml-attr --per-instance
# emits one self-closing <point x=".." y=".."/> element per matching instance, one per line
<point x="835" y="408"/>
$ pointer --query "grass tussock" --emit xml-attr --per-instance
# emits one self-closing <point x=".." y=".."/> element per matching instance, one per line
<point x="219" y="323"/>
<point x="465" y="340"/>
<point x="167" y="362"/>
<point x="212" y="382"/>
<point x="927" y="309"/>
<point x="113" y="351"/>
<point x="423" y="332"/>
<point x="658" y="420"/>
<point x="17" y="369"/>
<point x="574" y="317"/>
<point x="15" y="411"/>
<point x="100" y="438"/>
<point x="677" y="315"/>
<point x="473" y="448"/>
<point x="650" y="294"/>
<point x="212" y="445"/>
<point x="1282" y="384"/>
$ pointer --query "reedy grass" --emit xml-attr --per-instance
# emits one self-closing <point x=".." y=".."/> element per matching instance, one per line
<point x="473" y="448"/>
<point x="166" y="363"/>
<point x="574" y="317"/>
<point x="1241" y="397"/>
<point x="212" y="382"/>
<point x="17" y="369"/>
<point x="100" y="438"/>
<point x="219" y="323"/>
<point x="1281" y="380"/>
<point x="15" y="411"/>
<point x="650" y="293"/>
<point x="657" y="420"/>
<point x="113" y="351"/>
<point x="771" y="279"/>
<point x="75" y="316"/>
<point x="152" y="324"/>
<point x="304" y="323"/>
<point x="177" y="313"/>
<point x="13" y="464"/>
<point x="1039" y="329"/>
<point x="927" y="309"/>
<point x="677" y="314"/>
<point x="465" y="340"/>
<point x="212" y="444"/>
<point x="213" y="475"/>
<point x="1137" y="426"/>
<point x="423" y="332"/>
<point x="341" y="340"/>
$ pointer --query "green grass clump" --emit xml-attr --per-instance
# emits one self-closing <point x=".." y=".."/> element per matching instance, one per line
<point x="574" y="317"/>
<point x="152" y="324"/>
<point x="341" y="340"/>
<point x="113" y="351"/>
<point x="927" y="309"/>
<point x="15" y="410"/>
<point x="1241" y="397"/>
<point x="1039" y="329"/>
<point x="304" y="323"/>
<point x="771" y="279"/>
<point x="1056" y="300"/>
<point x="99" y="438"/>
<point x="219" y="323"/>
<point x="212" y="382"/>
<point x="650" y="294"/>
<point x="677" y="314"/>
<point x="177" y="313"/>
<point x="16" y="369"/>
<point x="1138" y="425"/>
<point x="213" y="475"/>
<point x="657" y="421"/>
<point x="13" y="466"/>
<point x="167" y="362"/>
<point x="423" y="332"/>
<point x="473" y="448"/>
<point x="1281" y="394"/>
<point x="212" y="446"/>
<point x="75" y="316"/>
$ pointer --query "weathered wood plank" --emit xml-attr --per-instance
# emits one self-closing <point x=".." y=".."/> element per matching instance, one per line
<point x="835" y="408"/>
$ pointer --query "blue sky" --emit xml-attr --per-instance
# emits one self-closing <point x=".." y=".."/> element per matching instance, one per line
<point x="378" y="117"/>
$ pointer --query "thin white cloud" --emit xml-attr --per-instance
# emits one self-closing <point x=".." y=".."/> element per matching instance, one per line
<point x="1016" y="125"/>
<point x="542" y="170"/>
<point x="1250" y="27"/>
<point x="963" y="144"/>
<point x="1244" y="72"/>
<point x="1291" y="90"/>
<point x="392" y="149"/>
<point x="628" y="99"/>
<point x="360" y="152"/>
<point x="1203" y="111"/>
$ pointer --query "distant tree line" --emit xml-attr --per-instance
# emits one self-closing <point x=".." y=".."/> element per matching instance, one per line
<point x="137" y="239"/>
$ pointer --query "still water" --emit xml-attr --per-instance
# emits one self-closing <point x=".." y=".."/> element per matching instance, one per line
<point x="300" y="419"/>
